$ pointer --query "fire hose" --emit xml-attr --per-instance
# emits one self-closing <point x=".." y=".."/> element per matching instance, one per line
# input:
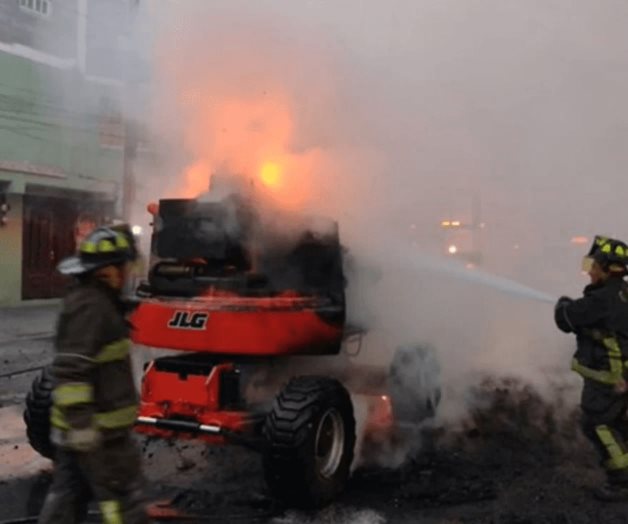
<point x="21" y="372"/>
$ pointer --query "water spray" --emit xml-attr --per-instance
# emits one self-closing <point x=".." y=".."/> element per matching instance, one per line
<point x="502" y="284"/>
<point x="417" y="262"/>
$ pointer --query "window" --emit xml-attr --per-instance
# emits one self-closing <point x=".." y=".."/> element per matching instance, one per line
<point x="39" y="7"/>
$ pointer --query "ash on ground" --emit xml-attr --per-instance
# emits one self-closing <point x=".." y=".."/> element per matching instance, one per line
<point x="516" y="459"/>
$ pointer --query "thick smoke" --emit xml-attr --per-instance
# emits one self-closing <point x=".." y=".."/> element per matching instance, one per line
<point x="392" y="118"/>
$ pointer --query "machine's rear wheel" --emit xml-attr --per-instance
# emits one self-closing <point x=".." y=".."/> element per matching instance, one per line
<point x="37" y="414"/>
<point x="414" y="385"/>
<point x="310" y="435"/>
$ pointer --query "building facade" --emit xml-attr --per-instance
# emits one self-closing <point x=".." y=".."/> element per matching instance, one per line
<point x="62" y="135"/>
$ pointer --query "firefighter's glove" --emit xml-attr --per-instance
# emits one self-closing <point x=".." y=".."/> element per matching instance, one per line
<point x="83" y="440"/>
<point x="560" y="315"/>
<point x="563" y="301"/>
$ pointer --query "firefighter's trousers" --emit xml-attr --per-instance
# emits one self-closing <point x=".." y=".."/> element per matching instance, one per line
<point x="608" y="431"/>
<point x="110" y="474"/>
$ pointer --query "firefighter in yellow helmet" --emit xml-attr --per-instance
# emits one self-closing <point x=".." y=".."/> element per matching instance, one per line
<point x="600" y="322"/>
<point x="94" y="398"/>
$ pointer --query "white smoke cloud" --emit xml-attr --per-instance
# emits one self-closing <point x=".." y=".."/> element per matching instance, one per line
<point x="395" y="117"/>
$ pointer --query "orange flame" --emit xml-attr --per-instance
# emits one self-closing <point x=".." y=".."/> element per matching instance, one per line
<point x="196" y="180"/>
<point x="270" y="174"/>
<point x="256" y="104"/>
<point x="250" y="138"/>
<point x="247" y="133"/>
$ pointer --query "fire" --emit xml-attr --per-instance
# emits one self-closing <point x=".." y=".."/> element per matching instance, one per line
<point x="254" y="135"/>
<point x="251" y="139"/>
<point x="256" y="105"/>
<point x="270" y="174"/>
<point x="196" y="180"/>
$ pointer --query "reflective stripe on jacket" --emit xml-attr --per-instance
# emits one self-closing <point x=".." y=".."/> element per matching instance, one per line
<point x="92" y="368"/>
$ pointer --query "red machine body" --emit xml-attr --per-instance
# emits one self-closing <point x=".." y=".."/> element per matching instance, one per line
<point x="194" y="406"/>
<point x="232" y="325"/>
<point x="193" y="401"/>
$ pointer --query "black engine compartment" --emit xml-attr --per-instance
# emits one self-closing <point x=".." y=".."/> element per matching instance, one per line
<point x="230" y="245"/>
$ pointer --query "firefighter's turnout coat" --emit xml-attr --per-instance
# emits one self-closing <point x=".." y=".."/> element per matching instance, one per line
<point x="600" y="322"/>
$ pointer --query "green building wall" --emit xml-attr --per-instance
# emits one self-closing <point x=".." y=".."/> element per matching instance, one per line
<point x="49" y="117"/>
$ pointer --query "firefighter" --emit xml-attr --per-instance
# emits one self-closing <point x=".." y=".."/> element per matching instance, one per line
<point x="94" y="397"/>
<point x="600" y="322"/>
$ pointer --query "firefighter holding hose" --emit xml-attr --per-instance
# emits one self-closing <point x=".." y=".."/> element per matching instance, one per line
<point x="600" y="322"/>
<point x="94" y="398"/>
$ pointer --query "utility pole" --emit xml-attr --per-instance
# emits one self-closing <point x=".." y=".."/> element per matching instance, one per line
<point x="128" y="168"/>
<point x="130" y="131"/>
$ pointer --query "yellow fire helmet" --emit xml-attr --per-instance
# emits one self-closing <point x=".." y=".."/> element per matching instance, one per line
<point x="610" y="253"/>
<point x="105" y="246"/>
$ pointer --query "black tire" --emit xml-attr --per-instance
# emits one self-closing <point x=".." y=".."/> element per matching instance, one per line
<point x="310" y="434"/>
<point x="414" y="385"/>
<point x="37" y="414"/>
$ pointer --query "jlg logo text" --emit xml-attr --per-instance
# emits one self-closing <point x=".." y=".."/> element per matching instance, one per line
<point x="188" y="320"/>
